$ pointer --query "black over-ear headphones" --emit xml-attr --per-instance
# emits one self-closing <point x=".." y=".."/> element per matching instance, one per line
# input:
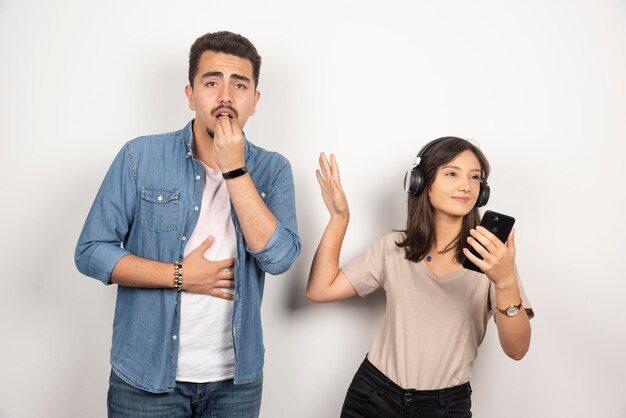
<point x="415" y="179"/>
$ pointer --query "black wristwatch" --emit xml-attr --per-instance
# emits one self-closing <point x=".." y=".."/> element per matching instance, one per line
<point x="235" y="173"/>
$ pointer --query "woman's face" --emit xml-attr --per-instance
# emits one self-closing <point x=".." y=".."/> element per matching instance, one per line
<point x="456" y="186"/>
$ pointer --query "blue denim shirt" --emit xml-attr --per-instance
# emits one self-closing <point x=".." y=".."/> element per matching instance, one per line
<point x="146" y="206"/>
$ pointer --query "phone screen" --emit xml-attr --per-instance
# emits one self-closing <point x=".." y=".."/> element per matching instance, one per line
<point x="498" y="224"/>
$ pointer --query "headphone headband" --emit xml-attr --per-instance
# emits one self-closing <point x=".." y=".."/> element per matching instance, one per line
<point x="425" y="148"/>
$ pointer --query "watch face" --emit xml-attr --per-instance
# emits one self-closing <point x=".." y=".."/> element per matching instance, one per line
<point x="512" y="310"/>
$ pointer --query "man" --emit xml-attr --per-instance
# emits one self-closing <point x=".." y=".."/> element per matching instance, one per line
<point x="187" y="338"/>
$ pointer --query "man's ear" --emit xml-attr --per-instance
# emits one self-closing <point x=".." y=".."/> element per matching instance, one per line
<point x="257" y="96"/>
<point x="189" y="94"/>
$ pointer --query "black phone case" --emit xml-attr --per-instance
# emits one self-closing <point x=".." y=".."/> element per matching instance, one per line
<point x="498" y="224"/>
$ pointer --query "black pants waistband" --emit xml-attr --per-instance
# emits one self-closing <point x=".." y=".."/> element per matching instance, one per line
<point x="412" y="395"/>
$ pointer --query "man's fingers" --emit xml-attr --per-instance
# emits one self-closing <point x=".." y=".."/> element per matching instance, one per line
<point x="223" y="264"/>
<point x="222" y="295"/>
<point x="235" y="128"/>
<point x="225" y="275"/>
<point x="225" y="284"/>
<point x="206" y="244"/>
<point x="224" y="122"/>
<point x="219" y="128"/>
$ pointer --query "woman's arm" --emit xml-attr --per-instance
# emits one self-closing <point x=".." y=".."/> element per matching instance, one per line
<point x="327" y="282"/>
<point x="499" y="265"/>
<point x="513" y="331"/>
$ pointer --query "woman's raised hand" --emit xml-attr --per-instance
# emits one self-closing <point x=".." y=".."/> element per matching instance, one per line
<point x="332" y="192"/>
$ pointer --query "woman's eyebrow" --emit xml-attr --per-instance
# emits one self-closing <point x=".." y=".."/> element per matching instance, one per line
<point x="459" y="168"/>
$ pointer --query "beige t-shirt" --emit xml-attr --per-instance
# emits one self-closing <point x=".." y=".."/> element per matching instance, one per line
<point x="433" y="324"/>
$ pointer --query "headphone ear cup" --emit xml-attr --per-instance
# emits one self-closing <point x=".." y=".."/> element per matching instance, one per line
<point x="483" y="196"/>
<point x="417" y="181"/>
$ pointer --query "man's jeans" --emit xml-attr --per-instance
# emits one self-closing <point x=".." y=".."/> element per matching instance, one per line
<point x="198" y="400"/>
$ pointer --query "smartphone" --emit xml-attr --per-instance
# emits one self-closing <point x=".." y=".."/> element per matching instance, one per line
<point x="499" y="225"/>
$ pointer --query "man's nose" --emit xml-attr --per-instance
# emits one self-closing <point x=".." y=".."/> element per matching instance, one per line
<point x="224" y="95"/>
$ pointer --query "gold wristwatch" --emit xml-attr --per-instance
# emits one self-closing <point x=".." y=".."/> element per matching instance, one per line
<point x="511" y="310"/>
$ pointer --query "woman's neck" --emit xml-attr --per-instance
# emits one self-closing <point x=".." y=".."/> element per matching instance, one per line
<point x="447" y="230"/>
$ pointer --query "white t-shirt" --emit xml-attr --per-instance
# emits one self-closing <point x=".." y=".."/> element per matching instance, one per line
<point x="206" y="341"/>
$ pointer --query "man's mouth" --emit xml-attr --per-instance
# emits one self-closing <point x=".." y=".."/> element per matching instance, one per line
<point x="230" y="113"/>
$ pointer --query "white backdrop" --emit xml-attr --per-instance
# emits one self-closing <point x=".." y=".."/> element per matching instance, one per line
<point x="539" y="84"/>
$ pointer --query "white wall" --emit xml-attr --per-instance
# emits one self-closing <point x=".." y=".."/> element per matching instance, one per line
<point x="540" y="84"/>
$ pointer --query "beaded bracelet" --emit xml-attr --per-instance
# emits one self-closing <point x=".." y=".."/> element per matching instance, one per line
<point x="178" y="275"/>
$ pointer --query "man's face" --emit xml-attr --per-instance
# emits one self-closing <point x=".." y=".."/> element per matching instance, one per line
<point x="223" y="85"/>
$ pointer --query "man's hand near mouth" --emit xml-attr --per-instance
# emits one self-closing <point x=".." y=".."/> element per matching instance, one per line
<point x="228" y="144"/>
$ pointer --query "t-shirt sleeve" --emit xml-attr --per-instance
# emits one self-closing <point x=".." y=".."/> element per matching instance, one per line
<point x="525" y="302"/>
<point x="366" y="272"/>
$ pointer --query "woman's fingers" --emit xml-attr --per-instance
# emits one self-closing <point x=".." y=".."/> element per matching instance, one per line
<point x="477" y="261"/>
<point x="486" y="238"/>
<point x="325" y="166"/>
<point x="478" y="247"/>
<point x="328" y="178"/>
<point x="510" y="241"/>
<point x="334" y="168"/>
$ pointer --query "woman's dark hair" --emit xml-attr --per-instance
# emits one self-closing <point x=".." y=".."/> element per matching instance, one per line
<point x="226" y="43"/>
<point x="420" y="229"/>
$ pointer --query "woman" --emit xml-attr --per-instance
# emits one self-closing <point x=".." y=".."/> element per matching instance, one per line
<point x="421" y="359"/>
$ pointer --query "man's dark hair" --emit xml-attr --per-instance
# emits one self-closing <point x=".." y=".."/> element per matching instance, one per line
<point x="226" y="43"/>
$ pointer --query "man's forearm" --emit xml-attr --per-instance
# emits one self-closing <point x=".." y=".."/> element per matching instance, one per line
<point x="135" y="271"/>
<point x="257" y="221"/>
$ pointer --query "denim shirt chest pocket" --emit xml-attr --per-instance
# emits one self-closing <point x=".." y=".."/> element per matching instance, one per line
<point x="159" y="208"/>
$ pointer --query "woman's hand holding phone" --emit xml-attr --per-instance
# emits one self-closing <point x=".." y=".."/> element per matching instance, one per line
<point x="498" y="261"/>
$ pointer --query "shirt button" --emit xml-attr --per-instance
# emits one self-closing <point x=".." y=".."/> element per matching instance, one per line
<point x="197" y="177"/>
<point x="195" y="208"/>
<point x="189" y="153"/>
<point x="184" y="238"/>
<point x="174" y="337"/>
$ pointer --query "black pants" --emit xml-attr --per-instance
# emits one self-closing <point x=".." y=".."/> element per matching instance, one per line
<point x="373" y="395"/>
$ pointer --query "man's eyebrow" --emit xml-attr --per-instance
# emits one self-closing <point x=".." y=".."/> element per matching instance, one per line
<point x="221" y="75"/>
<point x="212" y="74"/>
<point x="239" y="77"/>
